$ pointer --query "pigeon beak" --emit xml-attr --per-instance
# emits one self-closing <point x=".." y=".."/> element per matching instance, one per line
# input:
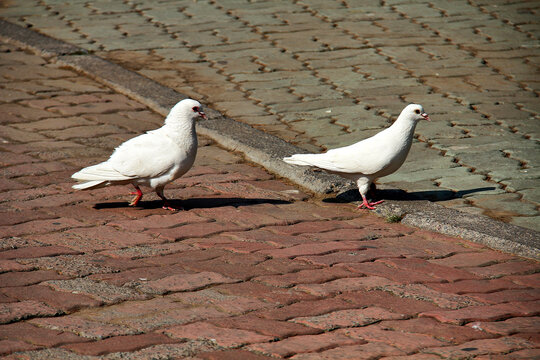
<point x="425" y="116"/>
<point x="203" y="115"/>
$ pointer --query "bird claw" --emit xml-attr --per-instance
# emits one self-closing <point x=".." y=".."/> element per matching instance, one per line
<point x="138" y="195"/>
<point x="135" y="201"/>
<point x="170" y="208"/>
<point x="167" y="206"/>
<point x="369" y="205"/>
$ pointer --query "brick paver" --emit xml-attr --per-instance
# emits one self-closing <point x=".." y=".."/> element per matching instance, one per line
<point x="252" y="269"/>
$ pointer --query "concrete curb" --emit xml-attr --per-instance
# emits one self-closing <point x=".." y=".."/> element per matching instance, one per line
<point x="267" y="150"/>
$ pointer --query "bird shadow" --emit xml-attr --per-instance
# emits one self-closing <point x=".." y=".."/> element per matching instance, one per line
<point x="402" y="195"/>
<point x="193" y="203"/>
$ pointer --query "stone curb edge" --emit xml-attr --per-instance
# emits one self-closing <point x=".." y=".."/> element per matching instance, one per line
<point x="268" y="150"/>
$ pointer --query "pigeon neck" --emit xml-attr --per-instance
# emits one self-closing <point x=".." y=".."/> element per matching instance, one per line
<point x="405" y="127"/>
<point x="179" y="128"/>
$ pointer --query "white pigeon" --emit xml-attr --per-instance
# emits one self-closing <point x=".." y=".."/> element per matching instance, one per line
<point x="153" y="159"/>
<point x="372" y="158"/>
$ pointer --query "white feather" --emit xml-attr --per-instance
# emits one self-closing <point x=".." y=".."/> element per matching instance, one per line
<point x="155" y="158"/>
<point x="369" y="159"/>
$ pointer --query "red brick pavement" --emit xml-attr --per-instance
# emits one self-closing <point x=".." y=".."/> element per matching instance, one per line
<point x="253" y="268"/>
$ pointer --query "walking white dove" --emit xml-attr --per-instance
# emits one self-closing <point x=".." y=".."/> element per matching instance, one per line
<point x="372" y="158"/>
<point x="153" y="159"/>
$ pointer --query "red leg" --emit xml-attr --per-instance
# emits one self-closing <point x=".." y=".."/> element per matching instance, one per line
<point x="166" y="204"/>
<point x="368" y="205"/>
<point x="138" y="196"/>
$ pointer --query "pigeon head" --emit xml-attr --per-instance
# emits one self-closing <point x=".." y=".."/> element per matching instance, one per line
<point x="187" y="109"/>
<point x="415" y="112"/>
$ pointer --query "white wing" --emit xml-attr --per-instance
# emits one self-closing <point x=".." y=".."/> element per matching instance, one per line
<point x="367" y="157"/>
<point x="146" y="156"/>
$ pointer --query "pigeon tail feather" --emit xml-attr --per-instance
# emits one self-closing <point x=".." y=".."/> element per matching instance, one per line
<point x="302" y="159"/>
<point x="100" y="172"/>
<point x="88" y="185"/>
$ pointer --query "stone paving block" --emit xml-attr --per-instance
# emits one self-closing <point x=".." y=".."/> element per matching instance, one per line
<point x="475" y="286"/>
<point x="63" y="301"/>
<point x="28" y="278"/>
<point x="507" y="296"/>
<point x="406" y="342"/>
<point x="52" y="201"/>
<point x="20" y="135"/>
<point x="184" y="282"/>
<point x="12" y="265"/>
<point x="348" y="318"/>
<point x="531" y="280"/>
<point x="82" y="131"/>
<point x="106" y="293"/>
<point x="17" y="311"/>
<point x="313" y="249"/>
<point x="303" y="344"/>
<point x="38" y="169"/>
<point x="270" y="327"/>
<point x="346" y="257"/>
<point x="508" y="327"/>
<point x="14" y="95"/>
<point x="503" y="204"/>
<point x="222" y="336"/>
<point x="430" y="268"/>
<point x="119" y="343"/>
<point x="146" y="316"/>
<point x="380" y="298"/>
<point x="18" y="113"/>
<point x="71" y="85"/>
<point x="519" y="354"/>
<point x="36" y="252"/>
<point x="82" y="265"/>
<point x="267" y="294"/>
<point x="38" y="336"/>
<point x="159" y="221"/>
<point x="484" y="313"/>
<point x="10" y="346"/>
<point x="133" y="277"/>
<point x="358" y="352"/>
<point x="143" y="251"/>
<point x="53" y="124"/>
<point x="97" y="238"/>
<point x="309" y="227"/>
<point x="304" y="277"/>
<point x="194" y="230"/>
<point x="453" y="334"/>
<point x="506" y="268"/>
<point x="183" y="350"/>
<point x="422" y="292"/>
<point x="347" y="284"/>
<point x="481" y="347"/>
<point x="377" y="268"/>
<point x="240" y="215"/>
<point x="233" y="246"/>
<point x="472" y="259"/>
<point x="241" y="267"/>
<point x="15" y="242"/>
<point x="226" y="303"/>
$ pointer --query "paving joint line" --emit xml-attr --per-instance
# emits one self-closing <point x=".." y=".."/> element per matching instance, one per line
<point x="268" y="150"/>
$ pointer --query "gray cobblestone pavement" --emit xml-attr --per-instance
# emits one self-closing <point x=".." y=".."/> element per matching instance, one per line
<point x="323" y="74"/>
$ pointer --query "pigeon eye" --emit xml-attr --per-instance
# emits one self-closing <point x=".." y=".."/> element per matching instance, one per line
<point x="196" y="109"/>
<point x="417" y="111"/>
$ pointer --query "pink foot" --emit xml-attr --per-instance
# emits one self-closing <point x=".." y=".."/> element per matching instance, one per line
<point x="369" y="205"/>
<point x="168" y="206"/>
<point x="138" y="196"/>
